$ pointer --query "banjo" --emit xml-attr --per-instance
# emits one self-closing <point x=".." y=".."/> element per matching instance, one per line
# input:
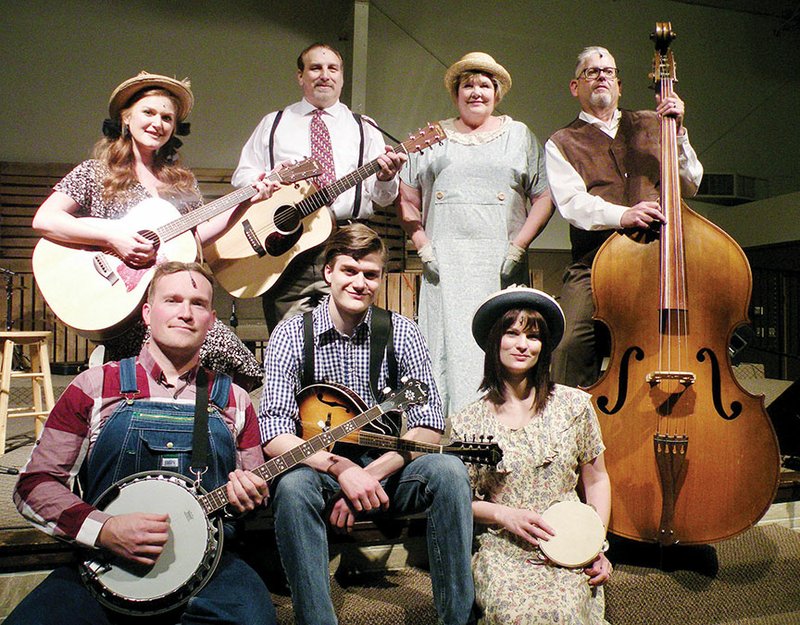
<point x="580" y="534"/>
<point x="194" y="546"/>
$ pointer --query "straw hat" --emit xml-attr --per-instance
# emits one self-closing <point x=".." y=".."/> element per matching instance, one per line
<point x="477" y="62"/>
<point x="497" y="304"/>
<point x="181" y="89"/>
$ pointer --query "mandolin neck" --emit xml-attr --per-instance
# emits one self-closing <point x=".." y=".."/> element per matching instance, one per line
<point x="383" y="441"/>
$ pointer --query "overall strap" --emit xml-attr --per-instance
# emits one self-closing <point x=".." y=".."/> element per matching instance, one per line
<point x="308" y="349"/>
<point x="381" y="341"/>
<point x="277" y="119"/>
<point x="357" y="201"/>
<point x="220" y="390"/>
<point x="127" y="376"/>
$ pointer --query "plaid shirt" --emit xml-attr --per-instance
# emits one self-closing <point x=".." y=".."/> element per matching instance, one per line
<point x="43" y="492"/>
<point x="342" y="359"/>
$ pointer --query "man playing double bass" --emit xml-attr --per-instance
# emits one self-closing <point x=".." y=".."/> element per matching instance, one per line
<point x="603" y="171"/>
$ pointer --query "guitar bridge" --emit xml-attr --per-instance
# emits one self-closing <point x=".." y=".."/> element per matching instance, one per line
<point x="102" y="267"/>
<point x="252" y="238"/>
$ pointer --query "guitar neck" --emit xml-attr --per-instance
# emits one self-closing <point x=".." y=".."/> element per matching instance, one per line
<point x="178" y="226"/>
<point x="326" y="195"/>
<point x="218" y="498"/>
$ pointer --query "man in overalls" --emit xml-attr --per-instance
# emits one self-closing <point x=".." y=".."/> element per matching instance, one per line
<point x="138" y="415"/>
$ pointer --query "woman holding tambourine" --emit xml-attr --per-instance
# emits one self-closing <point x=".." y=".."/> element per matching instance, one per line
<point x="541" y="558"/>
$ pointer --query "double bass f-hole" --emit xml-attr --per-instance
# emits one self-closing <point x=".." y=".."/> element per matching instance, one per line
<point x="622" y="388"/>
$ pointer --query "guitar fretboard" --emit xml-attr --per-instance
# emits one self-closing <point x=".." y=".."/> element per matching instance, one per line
<point x="328" y="194"/>
<point x="177" y="227"/>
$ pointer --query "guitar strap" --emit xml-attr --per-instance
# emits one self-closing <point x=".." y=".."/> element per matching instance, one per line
<point x="357" y="117"/>
<point x="277" y="119"/>
<point x="357" y="201"/>
<point x="381" y="343"/>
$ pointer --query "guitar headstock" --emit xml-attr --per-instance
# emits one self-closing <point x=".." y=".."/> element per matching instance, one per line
<point x="307" y="168"/>
<point x="432" y="134"/>
<point x="476" y="452"/>
<point x="412" y="392"/>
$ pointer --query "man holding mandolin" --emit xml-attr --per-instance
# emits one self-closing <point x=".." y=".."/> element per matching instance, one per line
<point x="337" y="344"/>
<point x="603" y="170"/>
<point x="138" y="415"/>
<point x="320" y="126"/>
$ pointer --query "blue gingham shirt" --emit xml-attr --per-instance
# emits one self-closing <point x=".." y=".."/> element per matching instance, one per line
<point x="342" y="359"/>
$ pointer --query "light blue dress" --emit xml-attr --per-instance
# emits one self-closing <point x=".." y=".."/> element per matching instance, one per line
<point x="475" y="191"/>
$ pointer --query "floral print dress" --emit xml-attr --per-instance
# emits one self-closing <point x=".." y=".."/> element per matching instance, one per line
<point x="540" y="466"/>
<point x="222" y="350"/>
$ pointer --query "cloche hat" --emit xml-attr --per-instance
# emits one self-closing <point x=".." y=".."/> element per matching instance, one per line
<point x="497" y="304"/>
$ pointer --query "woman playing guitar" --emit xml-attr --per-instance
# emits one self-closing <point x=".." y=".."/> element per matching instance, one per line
<point x="137" y="160"/>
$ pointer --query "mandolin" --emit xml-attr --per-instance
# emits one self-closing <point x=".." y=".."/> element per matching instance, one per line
<point x="328" y="405"/>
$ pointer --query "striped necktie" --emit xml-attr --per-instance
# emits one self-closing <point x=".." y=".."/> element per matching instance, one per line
<point x="321" y="148"/>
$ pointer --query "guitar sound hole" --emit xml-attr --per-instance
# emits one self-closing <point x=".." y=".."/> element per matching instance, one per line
<point x="286" y="219"/>
<point x="152" y="237"/>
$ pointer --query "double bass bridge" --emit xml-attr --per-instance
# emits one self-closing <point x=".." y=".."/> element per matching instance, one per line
<point x="670" y="450"/>
<point x="687" y="378"/>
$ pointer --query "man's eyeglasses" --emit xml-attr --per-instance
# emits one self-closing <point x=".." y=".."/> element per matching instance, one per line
<point x="593" y="73"/>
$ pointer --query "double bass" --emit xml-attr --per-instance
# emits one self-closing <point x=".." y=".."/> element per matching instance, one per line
<point x="692" y="456"/>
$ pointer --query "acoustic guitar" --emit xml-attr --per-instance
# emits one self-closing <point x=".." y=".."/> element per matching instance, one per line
<point x="250" y="257"/>
<point x="194" y="546"/>
<point x="96" y="293"/>
<point x="328" y="405"/>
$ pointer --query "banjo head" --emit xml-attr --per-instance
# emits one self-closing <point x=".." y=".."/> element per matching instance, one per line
<point x="184" y="566"/>
<point x="580" y="534"/>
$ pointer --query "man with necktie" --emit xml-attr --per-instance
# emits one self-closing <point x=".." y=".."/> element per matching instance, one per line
<point x="321" y="126"/>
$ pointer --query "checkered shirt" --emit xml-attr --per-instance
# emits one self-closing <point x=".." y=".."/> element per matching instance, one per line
<point x="344" y="360"/>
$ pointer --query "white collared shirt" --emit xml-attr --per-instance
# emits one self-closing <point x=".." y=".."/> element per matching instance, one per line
<point x="292" y="141"/>
<point x="590" y="212"/>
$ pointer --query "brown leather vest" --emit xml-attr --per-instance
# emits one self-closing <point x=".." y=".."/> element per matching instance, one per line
<point x="624" y="170"/>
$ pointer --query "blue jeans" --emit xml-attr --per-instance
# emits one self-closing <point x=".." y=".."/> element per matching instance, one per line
<point x="234" y="595"/>
<point x="437" y="484"/>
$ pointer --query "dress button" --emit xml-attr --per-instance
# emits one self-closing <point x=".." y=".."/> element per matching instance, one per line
<point x="501" y="196"/>
<point x="439" y="195"/>
<point x="170" y="445"/>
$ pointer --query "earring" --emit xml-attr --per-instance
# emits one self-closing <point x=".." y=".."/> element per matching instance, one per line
<point x="125" y="130"/>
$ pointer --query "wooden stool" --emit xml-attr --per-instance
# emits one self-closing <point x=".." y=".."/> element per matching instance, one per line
<point x="39" y="377"/>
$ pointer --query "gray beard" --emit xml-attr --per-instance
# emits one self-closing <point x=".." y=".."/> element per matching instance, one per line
<point x="600" y="100"/>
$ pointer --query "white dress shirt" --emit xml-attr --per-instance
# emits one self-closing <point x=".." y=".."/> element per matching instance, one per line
<point x="590" y="212"/>
<point x="292" y="141"/>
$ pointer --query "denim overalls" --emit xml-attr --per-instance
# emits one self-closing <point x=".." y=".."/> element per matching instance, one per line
<point x="146" y="434"/>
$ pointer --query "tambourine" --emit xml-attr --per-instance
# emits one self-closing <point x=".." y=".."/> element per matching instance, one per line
<point x="580" y="534"/>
